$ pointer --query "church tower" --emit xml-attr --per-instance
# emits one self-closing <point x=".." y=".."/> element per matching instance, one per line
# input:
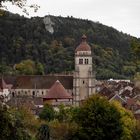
<point x="84" y="80"/>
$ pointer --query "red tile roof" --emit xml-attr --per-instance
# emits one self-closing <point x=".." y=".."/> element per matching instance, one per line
<point x="83" y="45"/>
<point x="25" y="101"/>
<point x="42" y="82"/>
<point x="57" y="91"/>
<point x="131" y="101"/>
<point x="105" y="91"/>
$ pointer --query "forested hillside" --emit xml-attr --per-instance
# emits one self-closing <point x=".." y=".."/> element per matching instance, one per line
<point x="27" y="46"/>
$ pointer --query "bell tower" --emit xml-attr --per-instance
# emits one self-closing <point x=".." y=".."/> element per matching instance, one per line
<point x="84" y="80"/>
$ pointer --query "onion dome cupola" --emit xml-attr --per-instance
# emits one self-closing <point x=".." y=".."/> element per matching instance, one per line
<point x="83" y="45"/>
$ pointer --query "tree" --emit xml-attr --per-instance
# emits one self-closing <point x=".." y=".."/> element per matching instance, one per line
<point x="23" y="38"/>
<point x="47" y="113"/>
<point x="62" y="113"/>
<point x="43" y="132"/>
<point x="137" y="76"/>
<point x="129" y="70"/>
<point x="135" y="46"/>
<point x="26" y="67"/>
<point x="62" y="130"/>
<point x="65" y="114"/>
<point x="39" y="68"/>
<point x="98" y="119"/>
<point x="21" y="4"/>
<point x="137" y="79"/>
<point x="136" y="131"/>
<point x="11" y="125"/>
<point x="127" y="121"/>
<point x="31" y="122"/>
<point x="29" y="67"/>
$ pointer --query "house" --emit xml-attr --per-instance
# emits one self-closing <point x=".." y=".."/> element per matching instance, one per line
<point x="4" y="90"/>
<point x="35" y="105"/>
<point x="118" y="98"/>
<point x="58" y="95"/>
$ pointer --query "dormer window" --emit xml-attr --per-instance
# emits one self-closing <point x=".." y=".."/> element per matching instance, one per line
<point x="80" y="61"/>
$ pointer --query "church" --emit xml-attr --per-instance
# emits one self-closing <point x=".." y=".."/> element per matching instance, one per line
<point x="83" y="78"/>
<point x="70" y="89"/>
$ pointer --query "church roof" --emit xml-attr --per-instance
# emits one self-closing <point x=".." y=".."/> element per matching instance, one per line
<point x="83" y="45"/>
<point x="57" y="91"/>
<point x="41" y="82"/>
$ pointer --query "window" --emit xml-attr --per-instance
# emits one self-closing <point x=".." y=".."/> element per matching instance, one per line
<point x="13" y="94"/>
<point x="80" y="61"/>
<point x="33" y="93"/>
<point x="86" y="61"/>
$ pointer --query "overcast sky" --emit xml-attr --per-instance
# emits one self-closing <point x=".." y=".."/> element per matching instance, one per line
<point x="123" y="15"/>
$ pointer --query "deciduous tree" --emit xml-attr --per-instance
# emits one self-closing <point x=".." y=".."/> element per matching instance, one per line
<point x="21" y="4"/>
<point x="12" y="126"/>
<point x="47" y="113"/>
<point x="101" y="120"/>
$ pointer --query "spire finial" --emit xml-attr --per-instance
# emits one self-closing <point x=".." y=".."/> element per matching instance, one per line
<point x="57" y="81"/>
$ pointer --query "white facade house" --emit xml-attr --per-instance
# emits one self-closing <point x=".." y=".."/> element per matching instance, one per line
<point x="4" y="90"/>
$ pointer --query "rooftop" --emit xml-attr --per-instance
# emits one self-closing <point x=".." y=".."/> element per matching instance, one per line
<point x="57" y="91"/>
<point x="83" y="45"/>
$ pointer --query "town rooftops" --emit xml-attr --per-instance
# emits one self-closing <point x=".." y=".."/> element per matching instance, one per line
<point x="83" y="45"/>
<point x="57" y="91"/>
